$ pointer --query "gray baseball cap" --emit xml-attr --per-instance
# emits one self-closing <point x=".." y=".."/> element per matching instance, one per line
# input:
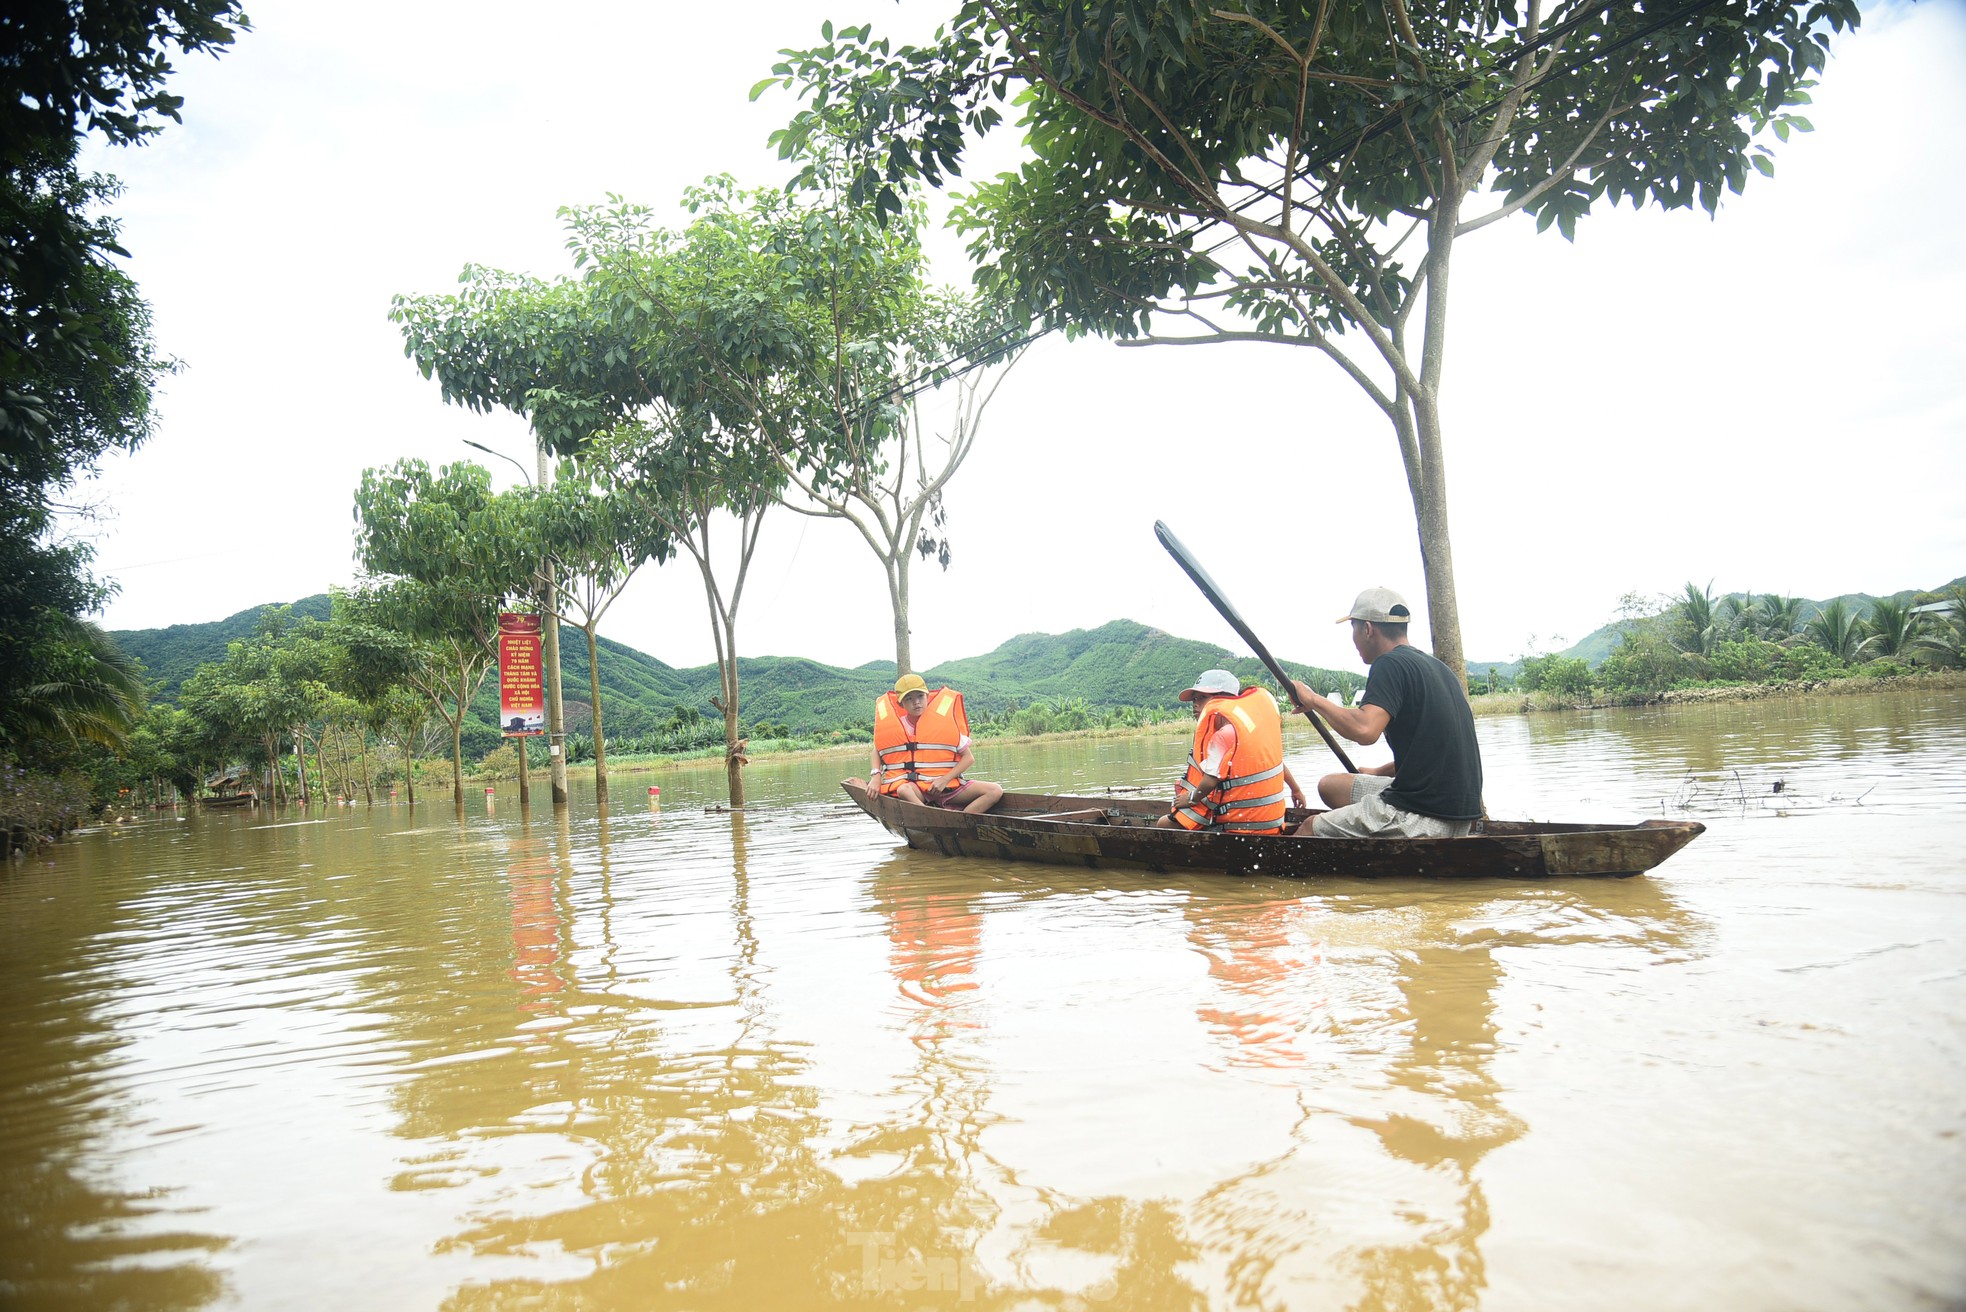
<point x="1379" y="606"/>
<point x="1211" y="683"/>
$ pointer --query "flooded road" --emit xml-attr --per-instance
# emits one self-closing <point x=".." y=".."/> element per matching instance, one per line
<point x="401" y="1058"/>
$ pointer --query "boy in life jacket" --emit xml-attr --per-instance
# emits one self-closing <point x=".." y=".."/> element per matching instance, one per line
<point x="1236" y="779"/>
<point x="921" y="749"/>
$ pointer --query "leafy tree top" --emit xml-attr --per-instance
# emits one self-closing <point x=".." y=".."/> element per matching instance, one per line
<point x="1304" y="126"/>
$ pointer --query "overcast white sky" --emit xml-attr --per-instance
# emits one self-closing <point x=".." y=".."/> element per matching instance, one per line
<point x="1775" y="400"/>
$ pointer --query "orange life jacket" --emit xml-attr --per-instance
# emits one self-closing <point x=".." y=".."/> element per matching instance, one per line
<point x="931" y="752"/>
<point x="1251" y="797"/>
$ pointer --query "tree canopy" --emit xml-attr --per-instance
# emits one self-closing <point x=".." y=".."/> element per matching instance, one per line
<point x="700" y="366"/>
<point x="77" y="363"/>
<point x="1282" y="171"/>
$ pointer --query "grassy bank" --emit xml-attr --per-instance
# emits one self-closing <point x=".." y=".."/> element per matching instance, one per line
<point x="1521" y="703"/>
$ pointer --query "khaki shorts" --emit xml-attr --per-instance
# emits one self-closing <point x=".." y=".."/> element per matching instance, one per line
<point x="1372" y="816"/>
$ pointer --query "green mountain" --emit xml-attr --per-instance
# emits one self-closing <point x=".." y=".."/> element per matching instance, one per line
<point x="172" y="654"/>
<point x="1117" y="664"/>
<point x="1602" y="642"/>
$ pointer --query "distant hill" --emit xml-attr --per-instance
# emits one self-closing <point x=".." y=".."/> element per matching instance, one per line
<point x="1117" y="664"/>
<point x="172" y="654"/>
<point x="1602" y="642"/>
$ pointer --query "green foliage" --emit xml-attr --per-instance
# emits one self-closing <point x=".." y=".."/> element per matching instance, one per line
<point x="1893" y="628"/>
<point x="1947" y="637"/>
<point x="443" y="562"/>
<point x="1644" y="661"/>
<point x="1699" y="621"/>
<point x="1777" y="617"/>
<point x="78" y="687"/>
<point x="1120" y="669"/>
<point x="1070" y="715"/>
<point x="1555" y="673"/>
<point x="1298" y="172"/>
<point x="1807" y="662"/>
<point x="1746" y="660"/>
<point x="1837" y="630"/>
<point x="78" y="68"/>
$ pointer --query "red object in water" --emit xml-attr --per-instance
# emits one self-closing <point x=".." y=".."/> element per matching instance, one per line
<point x="654" y="791"/>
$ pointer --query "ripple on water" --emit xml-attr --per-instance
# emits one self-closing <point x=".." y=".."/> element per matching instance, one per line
<point x="684" y="1058"/>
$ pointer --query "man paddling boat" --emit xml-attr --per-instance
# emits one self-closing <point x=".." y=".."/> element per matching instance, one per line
<point x="1432" y="786"/>
<point x="921" y="749"/>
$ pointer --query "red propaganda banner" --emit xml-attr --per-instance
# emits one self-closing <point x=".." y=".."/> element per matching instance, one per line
<point x="521" y="689"/>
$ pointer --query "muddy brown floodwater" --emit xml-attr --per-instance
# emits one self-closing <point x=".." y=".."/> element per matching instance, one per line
<point x="400" y="1058"/>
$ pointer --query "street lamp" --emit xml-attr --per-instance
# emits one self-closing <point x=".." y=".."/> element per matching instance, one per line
<point x="502" y="456"/>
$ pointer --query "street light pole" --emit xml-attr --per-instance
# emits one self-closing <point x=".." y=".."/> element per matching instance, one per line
<point x="502" y="456"/>
<point x="556" y="714"/>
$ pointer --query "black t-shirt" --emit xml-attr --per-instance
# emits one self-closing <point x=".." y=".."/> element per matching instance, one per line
<point x="1432" y="735"/>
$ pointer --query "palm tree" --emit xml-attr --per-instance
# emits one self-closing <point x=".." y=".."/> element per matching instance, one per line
<point x="94" y="693"/>
<point x="1945" y="631"/>
<point x="1836" y="631"/>
<point x="1702" y="620"/>
<point x="1893" y="629"/>
<point x="1780" y="616"/>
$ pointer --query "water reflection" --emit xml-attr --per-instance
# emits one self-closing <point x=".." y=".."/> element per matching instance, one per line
<point x="771" y="1060"/>
<point x="74" y="1231"/>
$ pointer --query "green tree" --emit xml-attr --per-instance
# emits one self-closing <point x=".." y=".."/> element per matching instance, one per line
<point x="1301" y="173"/>
<point x="884" y="337"/>
<point x="1836" y="630"/>
<point x="453" y="631"/>
<point x="1699" y="620"/>
<point x="586" y="536"/>
<point x="76" y="369"/>
<point x="889" y="485"/>
<point x="1780" y="617"/>
<point x="690" y="363"/>
<point x="77" y="364"/>
<point x="1948" y="635"/>
<point x="258" y="697"/>
<point x="440" y="573"/>
<point x="1893" y="628"/>
<point x="370" y="667"/>
<point x="87" y="691"/>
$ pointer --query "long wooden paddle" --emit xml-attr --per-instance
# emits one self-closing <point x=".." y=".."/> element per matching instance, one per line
<point x="1193" y="569"/>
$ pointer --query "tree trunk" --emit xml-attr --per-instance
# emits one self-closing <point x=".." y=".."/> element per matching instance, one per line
<point x="600" y="743"/>
<point x="556" y="714"/>
<point x="897" y="595"/>
<point x="300" y="765"/>
<point x="1430" y="501"/>
<point x="733" y="766"/>
<point x="320" y="769"/>
<point x="409" y="765"/>
<point x="1437" y="559"/>
<point x="274" y="783"/>
<point x="457" y="758"/>
<point x="368" y="796"/>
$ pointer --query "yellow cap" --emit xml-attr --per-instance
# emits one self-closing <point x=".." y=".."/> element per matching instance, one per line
<point x="908" y="683"/>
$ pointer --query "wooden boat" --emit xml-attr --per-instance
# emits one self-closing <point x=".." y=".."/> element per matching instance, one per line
<point x="1119" y="832"/>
